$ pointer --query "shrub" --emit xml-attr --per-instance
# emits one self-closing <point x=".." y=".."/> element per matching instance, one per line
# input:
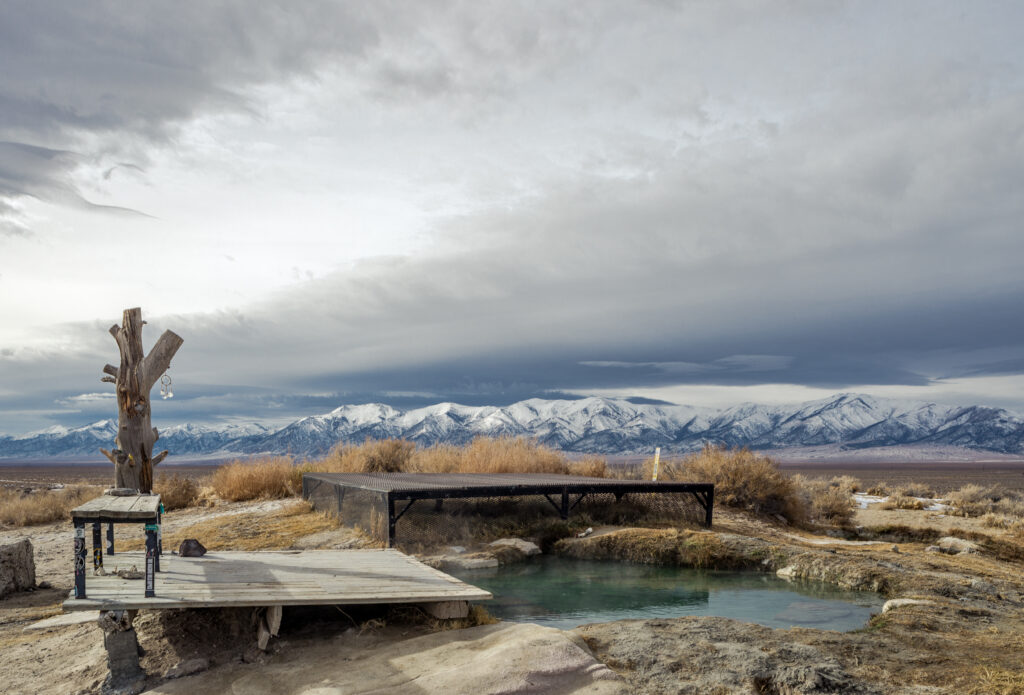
<point x="372" y="456"/>
<point x="176" y="491"/>
<point x="898" y="501"/>
<point x="1003" y="521"/>
<point x="742" y="479"/>
<point x="914" y="489"/>
<point x="509" y="455"/>
<point x="847" y="483"/>
<point x="830" y="501"/>
<point x="976" y="500"/>
<point x="496" y="455"/>
<point x="20" y="509"/>
<point x="589" y="466"/>
<point x="270" y="478"/>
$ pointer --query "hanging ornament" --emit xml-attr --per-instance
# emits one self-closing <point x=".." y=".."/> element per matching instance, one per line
<point x="165" y="387"/>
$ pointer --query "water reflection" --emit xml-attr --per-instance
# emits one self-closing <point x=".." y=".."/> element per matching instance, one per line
<point x="564" y="593"/>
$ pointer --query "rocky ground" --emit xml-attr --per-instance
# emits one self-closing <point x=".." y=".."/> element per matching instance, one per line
<point x="962" y="631"/>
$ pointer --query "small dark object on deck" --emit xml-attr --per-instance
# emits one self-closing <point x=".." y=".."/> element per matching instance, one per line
<point x="190" y="547"/>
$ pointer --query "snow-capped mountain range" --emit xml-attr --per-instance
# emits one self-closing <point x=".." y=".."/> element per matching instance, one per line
<point x="589" y="425"/>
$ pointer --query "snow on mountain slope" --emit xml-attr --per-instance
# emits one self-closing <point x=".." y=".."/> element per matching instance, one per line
<point x="590" y="425"/>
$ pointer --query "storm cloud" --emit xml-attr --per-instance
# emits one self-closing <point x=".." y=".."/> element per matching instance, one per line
<point x="553" y="199"/>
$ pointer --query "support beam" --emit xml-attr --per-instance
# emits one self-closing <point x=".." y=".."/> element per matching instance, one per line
<point x="122" y="644"/>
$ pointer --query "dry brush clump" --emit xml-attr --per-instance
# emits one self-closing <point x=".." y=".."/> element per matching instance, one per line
<point x="742" y="479"/>
<point x="914" y="489"/>
<point x="269" y="478"/>
<point x="482" y="455"/>
<point x="982" y="501"/>
<point x="27" y="509"/>
<point x="491" y="455"/>
<point x="828" y="501"/>
<point x="176" y="491"/>
<point x="282" y="476"/>
<point x="897" y="501"/>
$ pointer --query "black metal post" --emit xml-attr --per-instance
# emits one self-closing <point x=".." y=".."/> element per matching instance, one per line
<point x="565" y="504"/>
<point x="159" y="535"/>
<point x="79" y="560"/>
<point x="110" y="538"/>
<point x="151" y="560"/>
<point x="709" y="498"/>
<point x="97" y="546"/>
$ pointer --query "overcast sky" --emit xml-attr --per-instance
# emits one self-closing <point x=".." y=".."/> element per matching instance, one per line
<point x="408" y="202"/>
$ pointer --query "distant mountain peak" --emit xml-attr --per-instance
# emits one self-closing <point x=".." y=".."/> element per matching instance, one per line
<point x="588" y="425"/>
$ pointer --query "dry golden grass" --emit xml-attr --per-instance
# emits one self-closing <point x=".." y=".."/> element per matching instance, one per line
<point x="590" y="466"/>
<point x="281" y="476"/>
<point x="277" y="530"/>
<point x="997" y="681"/>
<point x="482" y="455"/>
<point x="372" y="456"/>
<point x="902" y="502"/>
<point x="742" y="479"/>
<point x="487" y="455"/>
<point x="914" y="489"/>
<point x="269" y="478"/>
<point x="42" y="507"/>
<point x="176" y="491"/>
<point x="1003" y="521"/>
<point x="978" y="500"/>
<point x="828" y="501"/>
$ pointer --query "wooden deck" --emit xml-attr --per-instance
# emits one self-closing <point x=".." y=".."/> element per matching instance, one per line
<point x="296" y="578"/>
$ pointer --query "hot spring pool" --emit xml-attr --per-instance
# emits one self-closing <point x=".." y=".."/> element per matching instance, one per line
<point x="564" y="593"/>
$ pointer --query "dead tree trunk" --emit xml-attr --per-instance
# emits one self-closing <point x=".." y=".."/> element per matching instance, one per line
<point x="133" y="453"/>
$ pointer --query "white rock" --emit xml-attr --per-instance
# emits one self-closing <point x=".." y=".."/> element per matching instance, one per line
<point x="956" y="546"/>
<point x="469" y="563"/>
<point x="17" y="567"/>
<point x="525" y="547"/>
<point x="788" y="573"/>
<point x="900" y="602"/>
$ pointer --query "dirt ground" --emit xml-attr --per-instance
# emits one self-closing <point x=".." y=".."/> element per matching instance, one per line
<point x="967" y="638"/>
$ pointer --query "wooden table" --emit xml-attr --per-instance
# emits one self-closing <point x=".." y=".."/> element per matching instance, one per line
<point x="110" y="510"/>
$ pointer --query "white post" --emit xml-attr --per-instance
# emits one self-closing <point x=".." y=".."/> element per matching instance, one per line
<point x="657" y="457"/>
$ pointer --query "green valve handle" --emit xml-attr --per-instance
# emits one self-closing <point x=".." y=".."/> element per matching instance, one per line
<point x="152" y="527"/>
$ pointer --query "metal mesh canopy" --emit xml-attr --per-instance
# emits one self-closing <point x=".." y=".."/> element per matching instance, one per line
<point x="368" y="500"/>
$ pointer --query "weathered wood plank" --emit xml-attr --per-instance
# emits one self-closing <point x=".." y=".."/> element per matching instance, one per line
<point x="278" y="578"/>
<point x="128" y="508"/>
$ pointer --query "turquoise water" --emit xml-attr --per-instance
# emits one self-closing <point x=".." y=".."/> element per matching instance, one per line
<point x="564" y="593"/>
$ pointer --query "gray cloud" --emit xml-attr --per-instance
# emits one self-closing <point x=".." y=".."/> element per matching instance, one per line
<point x="826" y="196"/>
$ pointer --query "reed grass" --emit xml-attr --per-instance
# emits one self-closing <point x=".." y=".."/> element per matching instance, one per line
<point x="40" y="507"/>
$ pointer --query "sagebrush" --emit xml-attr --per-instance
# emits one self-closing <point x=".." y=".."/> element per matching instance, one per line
<point x="27" y="509"/>
<point x="742" y="479"/>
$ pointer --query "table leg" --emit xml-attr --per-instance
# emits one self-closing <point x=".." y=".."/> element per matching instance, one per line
<point x="159" y="535"/>
<point x="110" y="539"/>
<point x="97" y="546"/>
<point x="151" y="560"/>
<point x="79" y="560"/>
